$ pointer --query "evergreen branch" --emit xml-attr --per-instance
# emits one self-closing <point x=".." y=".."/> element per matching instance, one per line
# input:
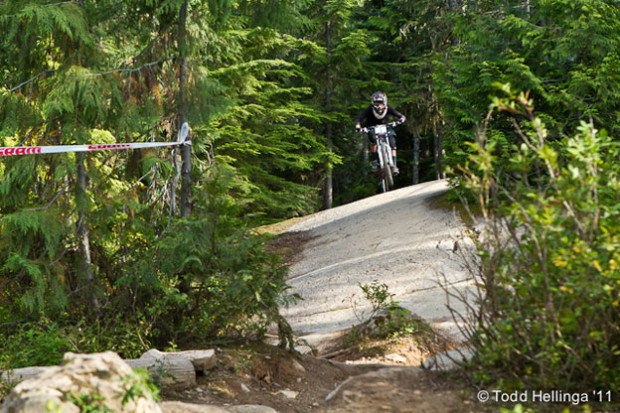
<point x="61" y="192"/>
<point x="77" y="3"/>
<point x="11" y="323"/>
<point x="137" y="69"/>
<point x="32" y="79"/>
<point x="34" y="129"/>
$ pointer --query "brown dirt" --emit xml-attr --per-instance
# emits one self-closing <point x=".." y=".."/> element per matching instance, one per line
<point x="256" y="373"/>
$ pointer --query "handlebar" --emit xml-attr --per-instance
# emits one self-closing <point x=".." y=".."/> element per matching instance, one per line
<point x="369" y="128"/>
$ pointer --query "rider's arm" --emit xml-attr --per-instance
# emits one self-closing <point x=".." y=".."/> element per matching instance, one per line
<point x="361" y="117"/>
<point x="394" y="112"/>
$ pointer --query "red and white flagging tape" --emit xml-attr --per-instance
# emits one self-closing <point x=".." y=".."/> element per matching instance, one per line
<point x="32" y="150"/>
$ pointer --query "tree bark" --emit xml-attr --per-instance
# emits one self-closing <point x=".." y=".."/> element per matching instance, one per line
<point x="85" y="275"/>
<point x="416" y="159"/>
<point x="329" y="188"/>
<point x="186" y="154"/>
<point x="438" y="150"/>
<point x="329" y="184"/>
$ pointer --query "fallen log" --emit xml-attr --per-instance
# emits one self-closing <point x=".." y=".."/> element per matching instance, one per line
<point x="201" y="359"/>
<point x="168" y="369"/>
<point x="22" y="374"/>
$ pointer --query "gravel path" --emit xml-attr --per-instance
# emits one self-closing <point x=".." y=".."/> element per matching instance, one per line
<point x="401" y="239"/>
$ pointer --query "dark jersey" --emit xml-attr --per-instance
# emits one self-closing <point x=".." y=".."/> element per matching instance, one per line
<point x="367" y="117"/>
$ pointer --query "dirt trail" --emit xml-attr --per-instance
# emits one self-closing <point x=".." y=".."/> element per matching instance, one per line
<point x="401" y="238"/>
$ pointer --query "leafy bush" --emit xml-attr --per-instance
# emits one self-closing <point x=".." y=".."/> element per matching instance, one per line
<point x="549" y="255"/>
<point x="388" y="320"/>
<point x="159" y="283"/>
<point x="41" y="344"/>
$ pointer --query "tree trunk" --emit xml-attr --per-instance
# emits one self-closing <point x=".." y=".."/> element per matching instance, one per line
<point x="416" y="159"/>
<point x="85" y="270"/>
<point x="186" y="154"/>
<point x="329" y="185"/>
<point x="328" y="191"/>
<point x="438" y="150"/>
<point x="186" y="179"/>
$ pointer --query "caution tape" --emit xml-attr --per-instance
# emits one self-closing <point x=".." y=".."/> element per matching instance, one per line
<point x="33" y="150"/>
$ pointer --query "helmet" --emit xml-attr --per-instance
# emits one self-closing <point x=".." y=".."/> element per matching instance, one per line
<point x="379" y="104"/>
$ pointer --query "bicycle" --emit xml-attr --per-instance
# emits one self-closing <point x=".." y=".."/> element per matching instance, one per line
<point x="384" y="154"/>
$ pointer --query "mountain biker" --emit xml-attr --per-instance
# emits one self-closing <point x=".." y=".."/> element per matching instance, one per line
<point x="377" y="114"/>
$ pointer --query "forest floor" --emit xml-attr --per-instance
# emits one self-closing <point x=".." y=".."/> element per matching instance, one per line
<point x="269" y="376"/>
<point x="373" y="376"/>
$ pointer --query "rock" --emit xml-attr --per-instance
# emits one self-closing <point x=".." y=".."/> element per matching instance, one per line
<point x="100" y="379"/>
<point x="289" y="394"/>
<point x="180" y="407"/>
<point x="170" y="370"/>
<point x="251" y="408"/>
<point x="396" y="358"/>
<point x="201" y="359"/>
<point x="22" y="374"/>
<point x="448" y="360"/>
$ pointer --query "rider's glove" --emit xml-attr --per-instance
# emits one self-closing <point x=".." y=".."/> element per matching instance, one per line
<point x="358" y="128"/>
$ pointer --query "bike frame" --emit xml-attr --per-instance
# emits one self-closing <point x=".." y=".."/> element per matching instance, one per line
<point x="384" y="154"/>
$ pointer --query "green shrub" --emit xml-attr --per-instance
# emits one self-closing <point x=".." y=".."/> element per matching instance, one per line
<point x="549" y="256"/>
<point x="388" y="320"/>
<point x="35" y="344"/>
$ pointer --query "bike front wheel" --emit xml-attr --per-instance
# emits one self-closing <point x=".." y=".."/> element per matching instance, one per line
<point x="386" y="170"/>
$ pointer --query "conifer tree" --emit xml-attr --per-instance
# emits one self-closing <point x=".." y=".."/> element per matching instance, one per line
<point x="343" y="49"/>
<point x="54" y="55"/>
<point x="98" y="236"/>
<point x="563" y="53"/>
<point x="337" y="72"/>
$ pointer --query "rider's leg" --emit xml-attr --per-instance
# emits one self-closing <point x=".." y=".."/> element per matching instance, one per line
<point x="374" y="158"/>
<point x="393" y="145"/>
<point x="395" y="169"/>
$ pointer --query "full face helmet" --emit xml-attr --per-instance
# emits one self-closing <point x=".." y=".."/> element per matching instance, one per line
<point x="379" y="104"/>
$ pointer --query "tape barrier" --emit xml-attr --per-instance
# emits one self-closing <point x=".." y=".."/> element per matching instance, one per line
<point x="33" y="150"/>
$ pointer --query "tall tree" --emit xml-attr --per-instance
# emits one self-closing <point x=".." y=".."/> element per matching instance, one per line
<point x="58" y="55"/>
<point x="562" y="53"/>
<point x="106" y="72"/>
<point x="186" y="168"/>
